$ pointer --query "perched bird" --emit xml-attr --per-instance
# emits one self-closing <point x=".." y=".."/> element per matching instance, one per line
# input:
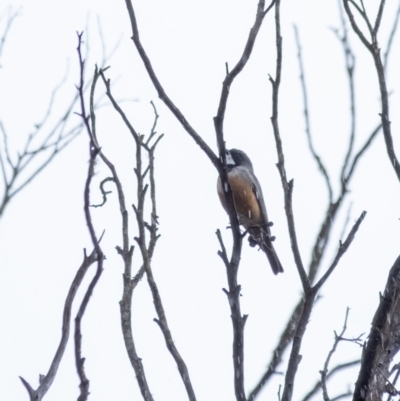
<point x="249" y="204"/>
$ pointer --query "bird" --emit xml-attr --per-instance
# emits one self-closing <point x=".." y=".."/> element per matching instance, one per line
<point x="249" y="204"/>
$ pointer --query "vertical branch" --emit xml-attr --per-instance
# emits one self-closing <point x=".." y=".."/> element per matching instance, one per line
<point x="147" y="249"/>
<point x="126" y="252"/>
<point x="324" y="372"/>
<point x="350" y="68"/>
<point x="94" y="151"/>
<point x="375" y="51"/>
<point x="147" y="253"/>
<point x="323" y="236"/>
<point x="391" y="37"/>
<point x="232" y="268"/>
<point x="309" y="292"/>
<point x="287" y="186"/>
<point x="307" y="118"/>
<point x="97" y="255"/>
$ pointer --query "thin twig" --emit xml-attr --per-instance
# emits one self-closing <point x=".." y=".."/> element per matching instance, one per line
<point x="10" y="16"/>
<point x="350" y="62"/>
<point x="324" y="372"/>
<point x="94" y="151"/>
<point x="103" y="191"/>
<point x="41" y="146"/>
<point x="316" y="157"/>
<point x="374" y="49"/>
<point x="287" y="185"/>
<point x="336" y="369"/>
<point x="390" y="40"/>
<point x="341" y="251"/>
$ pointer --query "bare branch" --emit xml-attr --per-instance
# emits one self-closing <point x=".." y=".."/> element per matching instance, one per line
<point x="324" y="372"/>
<point x="390" y="40"/>
<point x="336" y="369"/>
<point x="395" y="368"/>
<point x="350" y="62"/>
<point x="219" y="119"/>
<point x="374" y="49"/>
<point x="354" y="24"/>
<point x="94" y="151"/>
<point x="160" y="90"/>
<point x="103" y="191"/>
<point x="233" y="293"/>
<point x="307" y="119"/>
<point x="127" y="251"/>
<point x="361" y="152"/>
<point x="324" y="233"/>
<point x="309" y="298"/>
<point x="277" y="355"/>
<point x="383" y="336"/>
<point x="287" y="185"/>
<point x="47" y="380"/>
<point x="379" y="17"/>
<point x="341" y="251"/>
<point x="10" y="16"/>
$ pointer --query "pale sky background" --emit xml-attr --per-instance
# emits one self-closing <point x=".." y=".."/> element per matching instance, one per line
<point x="43" y="231"/>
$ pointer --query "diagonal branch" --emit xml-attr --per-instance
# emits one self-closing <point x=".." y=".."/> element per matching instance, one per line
<point x="309" y="298"/>
<point x="383" y="340"/>
<point x="232" y="267"/>
<point x="10" y="15"/>
<point x="47" y="380"/>
<point x="160" y="90"/>
<point x="353" y="23"/>
<point x="219" y="119"/>
<point x="336" y="369"/>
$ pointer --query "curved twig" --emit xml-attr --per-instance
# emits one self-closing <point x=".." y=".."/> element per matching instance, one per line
<point x="47" y="380"/>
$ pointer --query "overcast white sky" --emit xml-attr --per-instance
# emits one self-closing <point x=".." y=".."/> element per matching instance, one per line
<point x="43" y="232"/>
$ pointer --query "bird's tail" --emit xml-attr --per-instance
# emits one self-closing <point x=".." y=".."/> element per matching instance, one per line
<point x="264" y="241"/>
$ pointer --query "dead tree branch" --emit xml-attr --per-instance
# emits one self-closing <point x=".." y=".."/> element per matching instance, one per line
<point x="160" y="90"/>
<point x="374" y="49"/>
<point x="383" y="341"/>
<point x="309" y="298"/>
<point x="9" y="15"/>
<point x="47" y="380"/>
<point x="336" y="369"/>
<point x="126" y="251"/>
<point x="147" y="249"/>
<point x="42" y="145"/>
<point x="316" y="157"/>
<point x="334" y="206"/>
<point x="220" y="163"/>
